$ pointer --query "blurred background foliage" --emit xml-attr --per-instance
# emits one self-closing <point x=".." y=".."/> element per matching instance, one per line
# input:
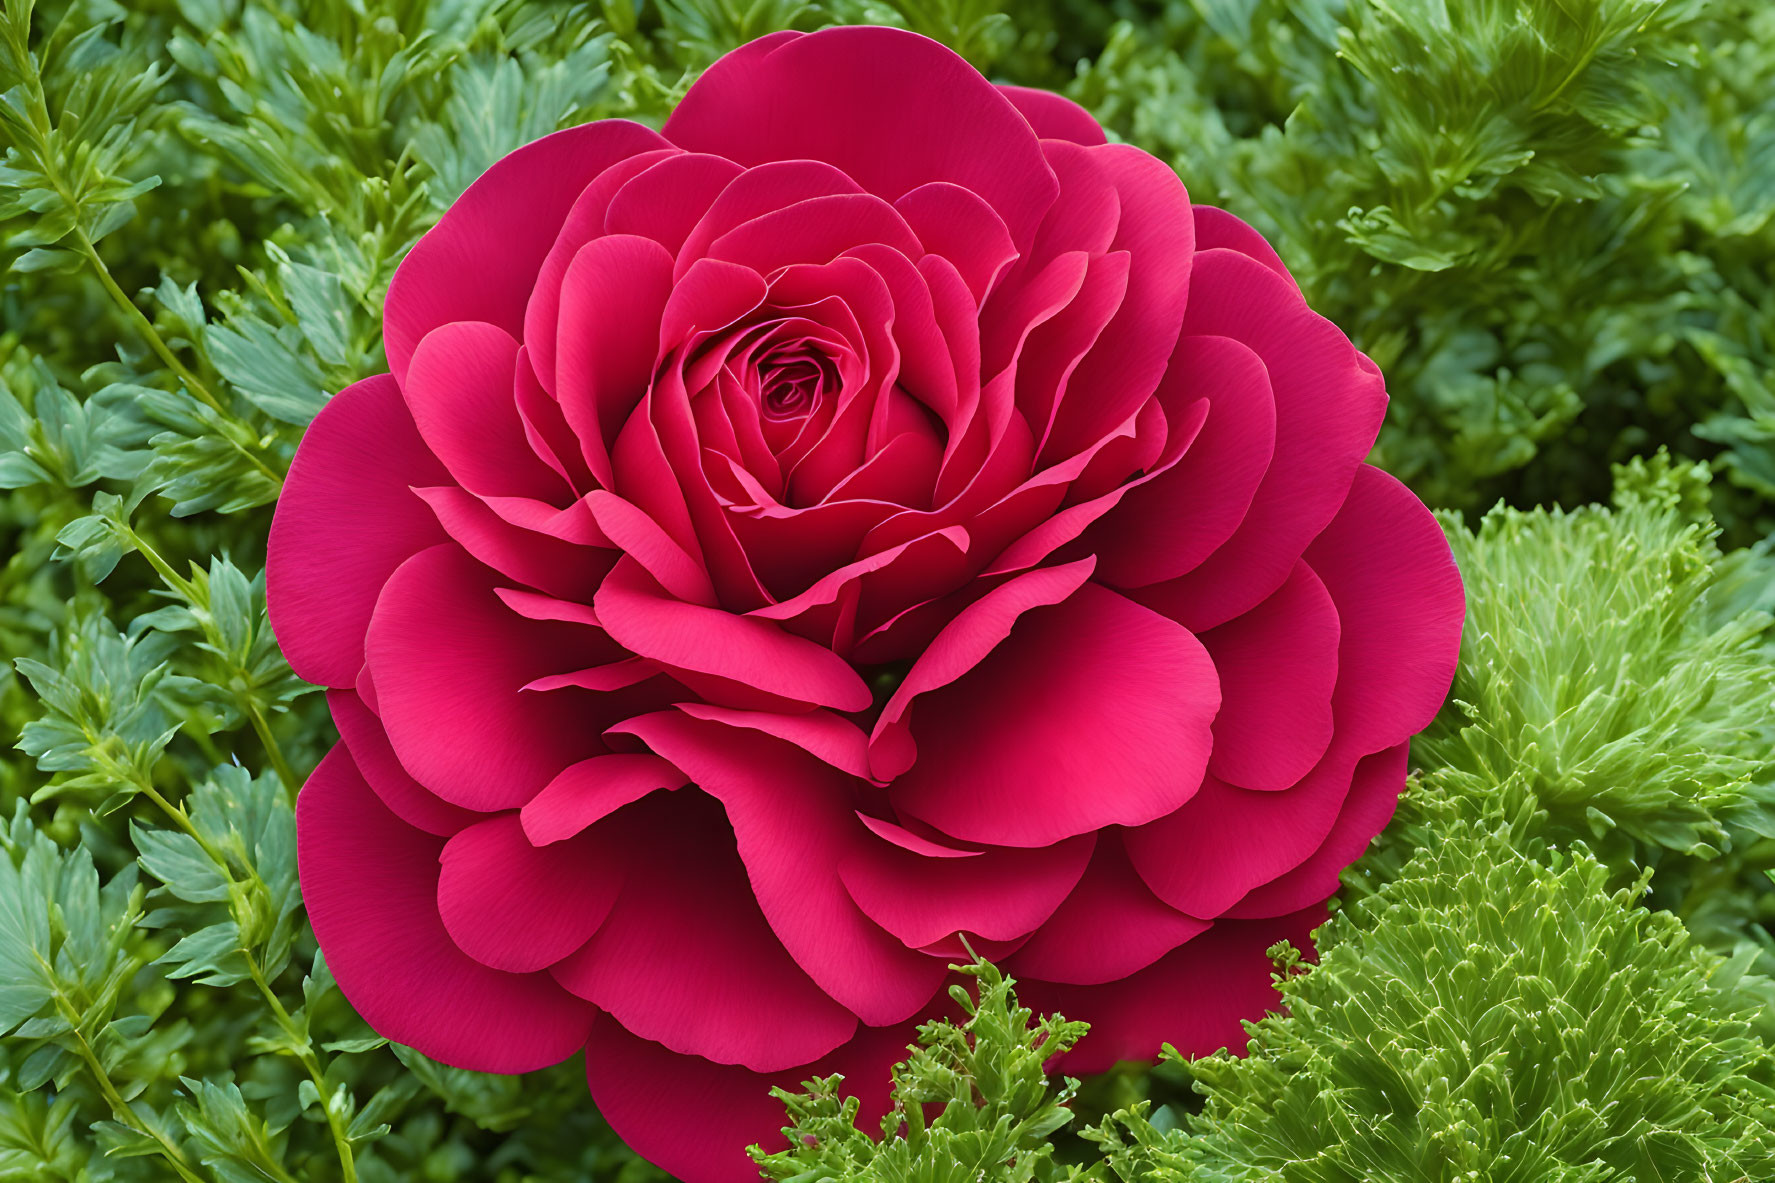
<point x="1550" y="221"/>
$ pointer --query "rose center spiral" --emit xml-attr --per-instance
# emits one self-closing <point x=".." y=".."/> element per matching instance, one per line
<point x="790" y="386"/>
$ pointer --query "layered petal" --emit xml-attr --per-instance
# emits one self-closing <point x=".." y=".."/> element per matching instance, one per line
<point x="1278" y="666"/>
<point x="1000" y="757"/>
<point x="818" y="97"/>
<point x="1196" y="998"/>
<point x="923" y="892"/>
<point x="451" y="663"/>
<point x="686" y="958"/>
<point x="1329" y="403"/>
<point x="347" y="518"/>
<point x="518" y="907"/>
<point x="794" y="822"/>
<point x="643" y="1090"/>
<point x="1388" y="568"/>
<point x="370" y="883"/>
<point x="1110" y="926"/>
<point x="479" y="263"/>
<point x="1053" y="116"/>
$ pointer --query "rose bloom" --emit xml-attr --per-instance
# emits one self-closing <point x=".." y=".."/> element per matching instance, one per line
<point x="868" y="515"/>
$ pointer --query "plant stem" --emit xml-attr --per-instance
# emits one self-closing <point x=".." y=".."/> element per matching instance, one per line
<point x="273" y="750"/>
<point x="303" y="1050"/>
<point x="143" y="325"/>
<point x="261" y="725"/>
<point x="119" y="1107"/>
<point x="38" y="102"/>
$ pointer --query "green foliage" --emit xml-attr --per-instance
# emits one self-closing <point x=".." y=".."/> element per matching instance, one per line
<point x="1599" y="681"/>
<point x="1549" y="223"/>
<point x="983" y="1077"/>
<point x="1487" y="1015"/>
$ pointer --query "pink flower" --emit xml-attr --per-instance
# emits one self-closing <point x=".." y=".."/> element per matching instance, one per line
<point x="870" y="512"/>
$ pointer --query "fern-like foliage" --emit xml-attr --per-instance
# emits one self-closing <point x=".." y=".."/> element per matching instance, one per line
<point x="1600" y="680"/>
<point x="1487" y="1015"/>
<point x="994" y="1108"/>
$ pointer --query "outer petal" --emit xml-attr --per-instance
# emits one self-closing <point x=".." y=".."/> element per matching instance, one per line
<point x="794" y="823"/>
<point x="643" y="1091"/>
<point x="450" y="662"/>
<point x="1388" y="568"/>
<point x="1110" y="926"/>
<point x="826" y="97"/>
<point x="480" y="261"/>
<point x="687" y="959"/>
<point x="962" y="645"/>
<point x="1329" y="404"/>
<point x="1277" y="666"/>
<point x="346" y="520"/>
<point x="370" y="882"/>
<point x="1095" y="712"/>
<point x="1054" y="117"/>
<point x="1196" y="998"/>
<point x="521" y="908"/>
<point x="1215" y="228"/>
<point x="1226" y="840"/>
<point x="1374" y="795"/>
<point x="405" y="797"/>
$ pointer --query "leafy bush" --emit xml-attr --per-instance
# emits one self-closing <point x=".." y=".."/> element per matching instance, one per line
<point x="1486" y="1015"/>
<point x="1549" y="223"/>
<point x="982" y="1077"/>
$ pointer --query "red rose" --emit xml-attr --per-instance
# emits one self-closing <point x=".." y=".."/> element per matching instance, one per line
<point x="870" y="512"/>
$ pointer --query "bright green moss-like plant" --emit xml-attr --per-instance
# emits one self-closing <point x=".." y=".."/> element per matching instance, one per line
<point x="982" y="1078"/>
<point x="1486" y="1016"/>
<point x="1600" y="680"/>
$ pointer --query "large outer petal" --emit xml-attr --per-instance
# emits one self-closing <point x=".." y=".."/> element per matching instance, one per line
<point x="480" y="261"/>
<point x="1278" y="668"/>
<point x="1374" y="795"/>
<point x="1093" y="712"/>
<point x="1389" y="570"/>
<point x="794" y="822"/>
<point x="1111" y="925"/>
<point x="1329" y="404"/>
<point x="361" y="731"/>
<point x="370" y="884"/>
<point x="346" y="520"/>
<point x="1226" y="841"/>
<point x="825" y="97"/>
<point x="645" y="1091"/>
<point x="1053" y="116"/>
<point x="451" y="663"/>
<point x="1196" y="998"/>
<point x="686" y="958"/>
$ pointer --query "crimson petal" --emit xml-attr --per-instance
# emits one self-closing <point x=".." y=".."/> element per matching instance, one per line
<point x="347" y="518"/>
<point x="818" y="97"/>
<point x="370" y="882"/>
<point x="999" y="753"/>
<point x="480" y="261"/>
